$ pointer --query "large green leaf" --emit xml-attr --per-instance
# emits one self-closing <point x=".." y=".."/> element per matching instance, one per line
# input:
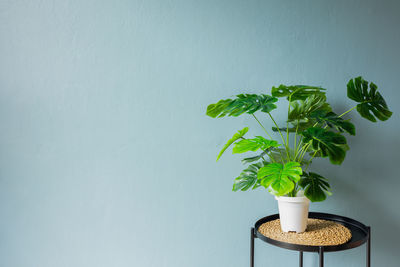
<point x="328" y="143"/>
<point x="248" y="177"/>
<point x="371" y="103"/>
<point x="280" y="177"/>
<point x="315" y="186"/>
<point x="235" y="137"/>
<point x="254" y="144"/>
<point x="333" y="121"/>
<point x="296" y="92"/>
<point x="243" y="103"/>
<point x="301" y="109"/>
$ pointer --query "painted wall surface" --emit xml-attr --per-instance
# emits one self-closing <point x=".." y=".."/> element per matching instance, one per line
<point x="107" y="157"/>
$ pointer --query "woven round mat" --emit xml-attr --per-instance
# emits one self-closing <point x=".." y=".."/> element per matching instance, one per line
<point x="318" y="233"/>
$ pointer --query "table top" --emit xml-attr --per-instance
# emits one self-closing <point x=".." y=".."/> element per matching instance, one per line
<point x="358" y="230"/>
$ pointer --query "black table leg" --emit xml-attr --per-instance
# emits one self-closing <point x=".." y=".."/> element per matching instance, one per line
<point x="301" y="259"/>
<point x="321" y="256"/>
<point x="252" y="247"/>
<point x="369" y="248"/>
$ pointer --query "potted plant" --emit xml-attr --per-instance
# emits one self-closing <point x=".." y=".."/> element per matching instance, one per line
<point x="311" y="130"/>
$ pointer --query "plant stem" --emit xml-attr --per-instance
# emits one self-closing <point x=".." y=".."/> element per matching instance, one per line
<point x="264" y="159"/>
<point x="347" y="111"/>
<point x="308" y="163"/>
<point x="300" y="150"/>
<point x="287" y="121"/>
<point x="280" y="153"/>
<point x="265" y="130"/>
<point x="271" y="158"/>
<point x="302" y="154"/>
<point x="299" y="147"/>
<point x="283" y="139"/>
<point x="295" y="140"/>
<point x="296" y="153"/>
<point x="304" y="151"/>
<point x="293" y="193"/>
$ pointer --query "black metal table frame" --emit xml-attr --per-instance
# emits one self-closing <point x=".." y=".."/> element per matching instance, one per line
<point x="360" y="234"/>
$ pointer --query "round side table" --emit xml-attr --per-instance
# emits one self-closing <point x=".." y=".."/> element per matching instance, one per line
<point x="360" y="234"/>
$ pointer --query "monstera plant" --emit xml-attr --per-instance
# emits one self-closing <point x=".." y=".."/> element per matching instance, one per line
<point x="312" y="129"/>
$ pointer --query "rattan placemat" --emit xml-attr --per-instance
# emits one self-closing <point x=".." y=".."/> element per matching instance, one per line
<point x="318" y="233"/>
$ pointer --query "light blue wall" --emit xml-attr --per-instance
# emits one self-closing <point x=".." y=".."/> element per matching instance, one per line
<point x="107" y="157"/>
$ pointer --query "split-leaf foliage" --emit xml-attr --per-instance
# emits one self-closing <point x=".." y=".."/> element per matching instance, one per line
<point x="254" y="144"/>
<point x="316" y="187"/>
<point x="312" y="129"/>
<point x="281" y="177"/>
<point x="243" y="103"/>
<point x="248" y="178"/>
<point x="371" y="103"/>
<point x="328" y="143"/>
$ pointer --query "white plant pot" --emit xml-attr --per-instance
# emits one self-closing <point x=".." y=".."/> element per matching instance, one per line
<point x="293" y="213"/>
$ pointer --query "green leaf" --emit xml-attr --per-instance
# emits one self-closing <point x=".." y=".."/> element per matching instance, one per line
<point x="333" y="121"/>
<point x="301" y="110"/>
<point x="315" y="186"/>
<point x="235" y="137"/>
<point x="248" y="178"/>
<point x="243" y="103"/>
<point x="329" y="144"/>
<point x="318" y="153"/>
<point x="280" y="177"/>
<point x="371" y="103"/>
<point x="296" y="92"/>
<point x="255" y="158"/>
<point x="254" y="144"/>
